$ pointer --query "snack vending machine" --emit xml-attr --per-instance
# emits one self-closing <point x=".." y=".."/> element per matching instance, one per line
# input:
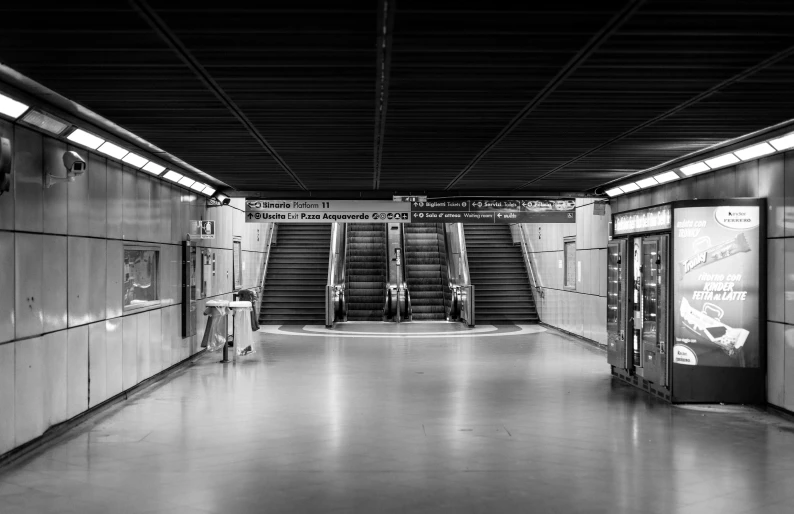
<point x="685" y="300"/>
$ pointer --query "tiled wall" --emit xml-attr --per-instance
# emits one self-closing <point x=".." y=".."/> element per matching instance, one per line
<point x="772" y="178"/>
<point x="580" y="310"/>
<point x="65" y="343"/>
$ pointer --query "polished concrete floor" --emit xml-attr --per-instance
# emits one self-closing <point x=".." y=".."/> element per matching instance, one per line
<point x="415" y="418"/>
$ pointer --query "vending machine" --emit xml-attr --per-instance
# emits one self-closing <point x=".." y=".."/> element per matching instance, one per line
<point x="685" y="300"/>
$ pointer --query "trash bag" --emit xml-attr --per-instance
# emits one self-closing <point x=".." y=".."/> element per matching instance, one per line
<point x="215" y="333"/>
<point x="249" y="295"/>
<point x="243" y="336"/>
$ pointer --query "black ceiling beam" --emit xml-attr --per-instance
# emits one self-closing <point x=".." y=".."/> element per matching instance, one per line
<point x="386" y="10"/>
<point x="594" y="44"/>
<point x="162" y="30"/>
<point x="788" y="52"/>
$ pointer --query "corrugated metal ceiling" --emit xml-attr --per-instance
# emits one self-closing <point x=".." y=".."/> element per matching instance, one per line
<point x="458" y="79"/>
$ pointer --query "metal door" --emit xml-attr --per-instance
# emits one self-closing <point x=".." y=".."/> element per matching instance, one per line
<point x="617" y="264"/>
<point x="654" y="309"/>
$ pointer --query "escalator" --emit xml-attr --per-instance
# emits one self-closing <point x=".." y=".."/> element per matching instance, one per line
<point x="426" y="270"/>
<point x="499" y="276"/>
<point x="294" y="291"/>
<point x="365" y="271"/>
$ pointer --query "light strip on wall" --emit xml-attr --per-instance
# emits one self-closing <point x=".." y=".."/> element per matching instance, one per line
<point x="754" y="152"/>
<point x="783" y="143"/>
<point x="725" y="159"/>
<point x="45" y="122"/>
<point x="209" y="191"/>
<point x="135" y="160"/>
<point x="154" y="168"/>
<point x="81" y="137"/>
<point x="667" y="176"/>
<point x="11" y="107"/>
<point x="197" y="186"/>
<point x="185" y="181"/>
<point x="112" y="150"/>
<point x="615" y="191"/>
<point x="173" y="176"/>
<point x="647" y="182"/>
<point x="630" y="187"/>
<point x="694" y="169"/>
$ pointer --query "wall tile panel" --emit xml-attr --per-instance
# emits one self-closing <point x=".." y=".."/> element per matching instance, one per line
<point x="77" y="371"/>
<point x="167" y="331"/>
<point x="776" y="280"/>
<point x="79" y="276"/>
<point x="97" y="285"/>
<point x="115" y="200"/>
<point x="28" y="286"/>
<point x="775" y="352"/>
<point x="54" y="282"/>
<point x="788" y="282"/>
<point x="28" y="390"/>
<point x="746" y="179"/>
<point x="129" y="352"/>
<point x="7" y="199"/>
<point x="144" y="347"/>
<point x="130" y="215"/>
<point x="7" y="287"/>
<point x="97" y="363"/>
<point x="77" y="197"/>
<point x="113" y="357"/>
<point x="115" y="271"/>
<point x="725" y="183"/>
<point x="54" y="376"/>
<point x="788" y="370"/>
<point x="771" y="187"/>
<point x="55" y="199"/>
<point x="97" y="196"/>
<point x="7" y="397"/>
<point x="144" y="207"/>
<point x="788" y="179"/>
<point x="155" y="341"/>
<point x="28" y="185"/>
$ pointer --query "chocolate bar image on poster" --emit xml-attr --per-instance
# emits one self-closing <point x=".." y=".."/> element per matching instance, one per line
<point x="715" y="253"/>
<point x="700" y="322"/>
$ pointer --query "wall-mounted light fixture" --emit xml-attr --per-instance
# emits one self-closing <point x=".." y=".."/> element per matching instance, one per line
<point x="5" y="165"/>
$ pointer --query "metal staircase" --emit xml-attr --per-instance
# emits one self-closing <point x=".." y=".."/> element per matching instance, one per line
<point x="499" y="276"/>
<point x="294" y="291"/>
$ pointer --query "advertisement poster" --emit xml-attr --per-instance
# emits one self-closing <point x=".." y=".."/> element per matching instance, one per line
<point x="716" y="286"/>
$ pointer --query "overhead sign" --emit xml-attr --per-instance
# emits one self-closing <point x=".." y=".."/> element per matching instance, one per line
<point x="485" y="210"/>
<point x="327" y="211"/>
<point x="461" y="210"/>
<point x="415" y="198"/>
<point x="716" y="286"/>
<point x="642" y="220"/>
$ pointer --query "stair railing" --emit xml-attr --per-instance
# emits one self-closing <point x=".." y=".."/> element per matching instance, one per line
<point x="537" y="287"/>
<point x="263" y="274"/>
<point x="459" y="280"/>
<point x="335" y="308"/>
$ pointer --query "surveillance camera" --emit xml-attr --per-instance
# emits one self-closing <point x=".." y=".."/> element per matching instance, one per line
<point x="75" y="165"/>
<point x="222" y="198"/>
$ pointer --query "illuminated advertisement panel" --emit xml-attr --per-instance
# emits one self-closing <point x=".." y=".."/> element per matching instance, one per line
<point x="642" y="220"/>
<point x="716" y="267"/>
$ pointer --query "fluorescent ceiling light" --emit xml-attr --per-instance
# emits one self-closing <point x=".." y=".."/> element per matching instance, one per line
<point x="112" y="150"/>
<point x="173" y="176"/>
<point x="667" y="176"/>
<point x="187" y="182"/>
<point x="197" y="186"/>
<point x="755" y="151"/>
<point x="647" y="182"/>
<point x="630" y="187"/>
<point x="45" y="122"/>
<point x="11" y="107"/>
<point x="615" y="191"/>
<point x="156" y="169"/>
<point x="81" y="137"/>
<point x="783" y="143"/>
<point x="725" y="159"/>
<point x="692" y="169"/>
<point x="209" y="191"/>
<point x="134" y="159"/>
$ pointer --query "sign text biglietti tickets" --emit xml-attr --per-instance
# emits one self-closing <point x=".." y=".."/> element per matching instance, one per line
<point x="459" y="210"/>
<point x="327" y="211"/>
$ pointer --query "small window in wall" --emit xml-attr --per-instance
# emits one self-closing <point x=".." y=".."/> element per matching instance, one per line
<point x="238" y="265"/>
<point x="141" y="280"/>
<point x="570" y="262"/>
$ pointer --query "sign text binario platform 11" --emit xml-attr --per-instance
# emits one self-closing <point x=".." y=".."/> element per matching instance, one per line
<point x="327" y="211"/>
